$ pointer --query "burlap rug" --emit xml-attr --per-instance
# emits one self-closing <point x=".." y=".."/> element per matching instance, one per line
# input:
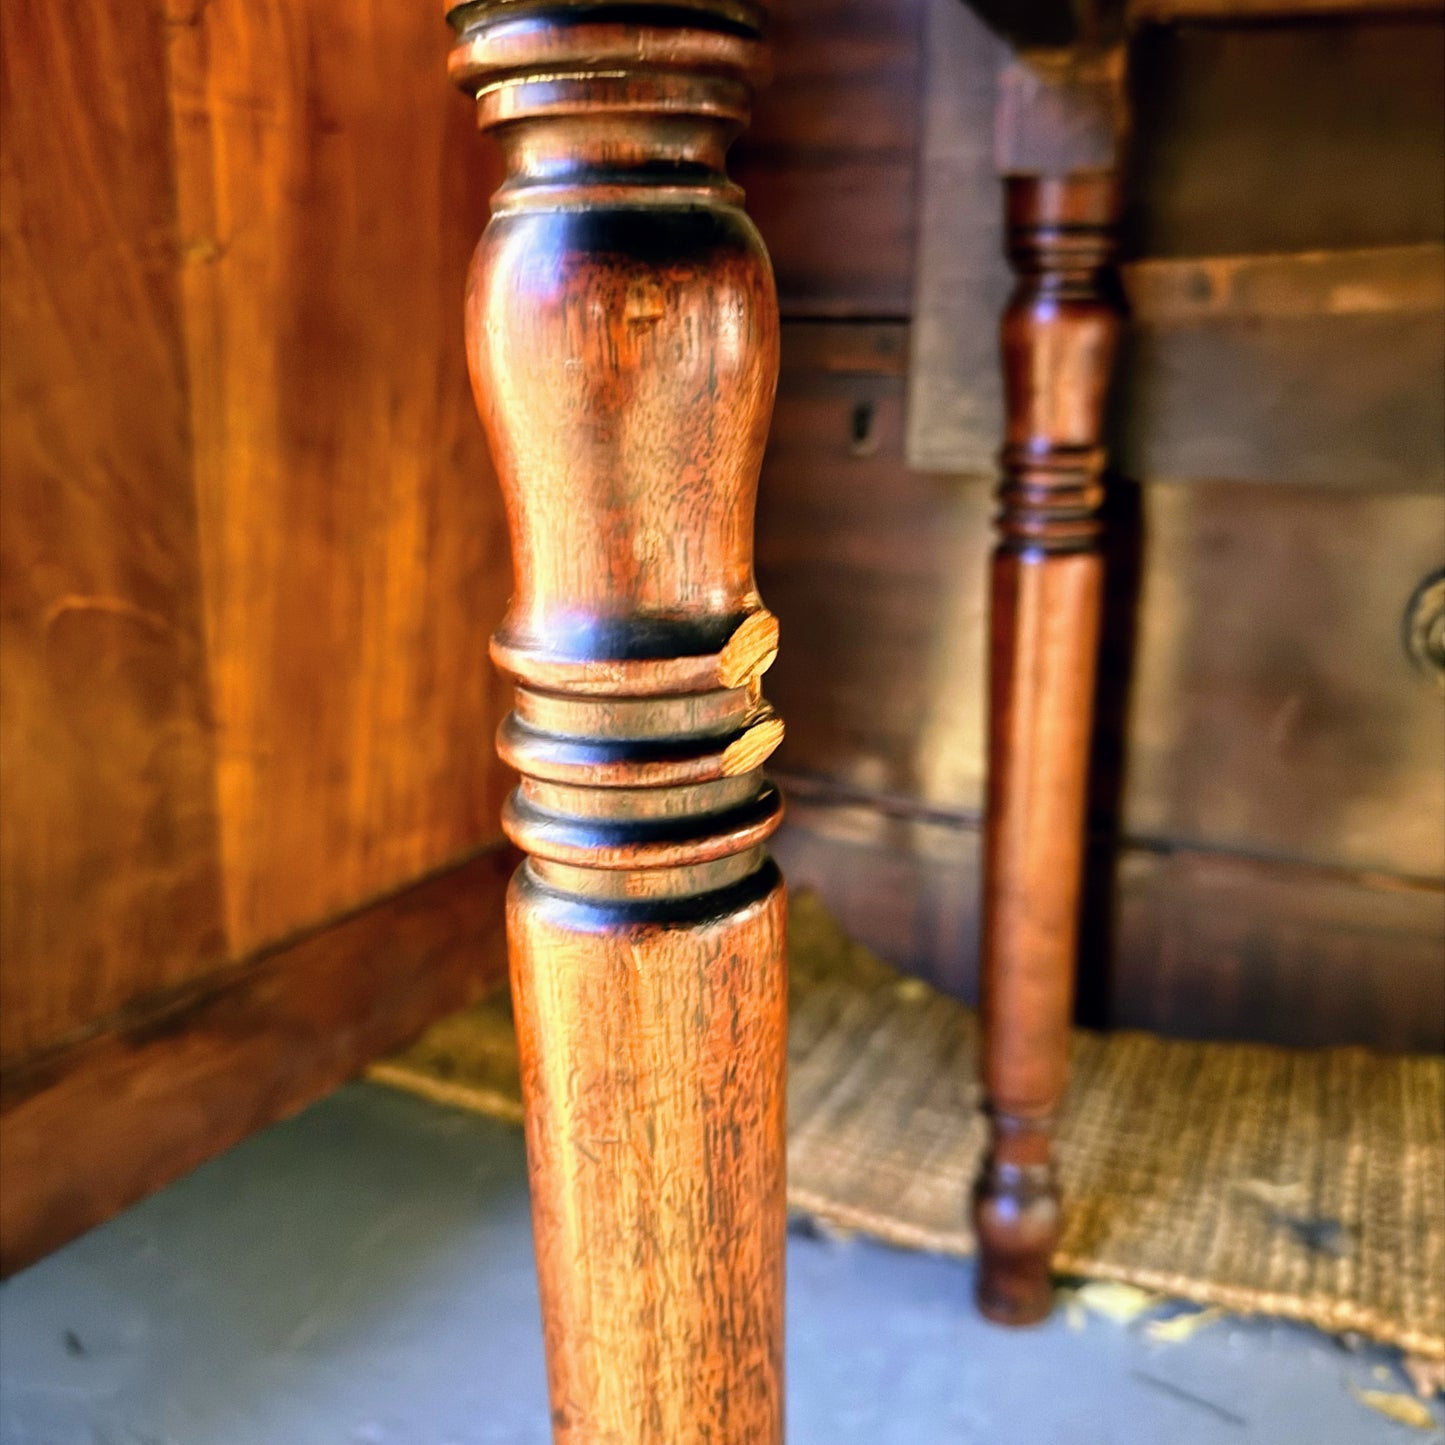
<point x="1306" y="1185"/>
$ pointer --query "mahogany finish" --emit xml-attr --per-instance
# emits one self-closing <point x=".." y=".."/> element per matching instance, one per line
<point x="1060" y="333"/>
<point x="623" y="342"/>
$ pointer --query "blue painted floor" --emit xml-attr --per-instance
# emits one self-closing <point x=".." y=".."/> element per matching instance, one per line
<point x="362" y="1275"/>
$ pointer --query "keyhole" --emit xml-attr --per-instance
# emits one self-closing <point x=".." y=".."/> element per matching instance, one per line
<point x="863" y="441"/>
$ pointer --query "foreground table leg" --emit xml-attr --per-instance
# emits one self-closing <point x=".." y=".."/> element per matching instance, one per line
<point x="1059" y="338"/>
<point x="623" y="336"/>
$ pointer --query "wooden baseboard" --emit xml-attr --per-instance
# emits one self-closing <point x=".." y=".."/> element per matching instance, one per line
<point x="93" y="1127"/>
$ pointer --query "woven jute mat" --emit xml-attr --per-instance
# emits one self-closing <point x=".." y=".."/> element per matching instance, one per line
<point x="1305" y="1185"/>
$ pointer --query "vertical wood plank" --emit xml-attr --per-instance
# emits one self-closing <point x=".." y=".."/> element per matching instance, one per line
<point x="954" y="389"/>
<point x="351" y="536"/>
<point x="109" y="874"/>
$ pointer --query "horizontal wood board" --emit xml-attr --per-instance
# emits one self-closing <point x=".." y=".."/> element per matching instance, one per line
<point x="1191" y="945"/>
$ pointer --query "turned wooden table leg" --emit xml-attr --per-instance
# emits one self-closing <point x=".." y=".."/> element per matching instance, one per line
<point x="623" y="334"/>
<point x="1059" y="337"/>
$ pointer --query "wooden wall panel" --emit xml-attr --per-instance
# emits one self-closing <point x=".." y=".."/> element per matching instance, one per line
<point x="1273" y="708"/>
<point x="1230" y="947"/>
<point x="962" y="279"/>
<point x="1188" y="944"/>
<point x="904" y="884"/>
<point x="1255" y="663"/>
<point x="876" y="574"/>
<point x="355" y="560"/>
<point x="1279" y="137"/>
<point x="829" y="159"/>
<point x="108" y="835"/>
<point x="252" y="550"/>
<point x="1323" y="367"/>
<point x="1288" y="320"/>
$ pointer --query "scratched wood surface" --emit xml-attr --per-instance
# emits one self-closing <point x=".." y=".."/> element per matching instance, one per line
<point x="653" y="1070"/>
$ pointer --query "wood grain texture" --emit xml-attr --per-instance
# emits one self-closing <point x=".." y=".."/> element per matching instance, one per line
<point x="87" y="1130"/>
<point x="961" y="272"/>
<point x="1369" y="281"/>
<point x="1273" y="710"/>
<point x="109" y="858"/>
<point x="900" y="880"/>
<point x="1223" y="947"/>
<point x="352" y="542"/>
<point x="1259" y="139"/>
<point x="879" y="573"/>
<point x="652" y="1066"/>
<point x="1060" y="335"/>
<point x="622" y="333"/>
<point x="250" y="554"/>
<point x="829" y="163"/>
<point x="1346" y="397"/>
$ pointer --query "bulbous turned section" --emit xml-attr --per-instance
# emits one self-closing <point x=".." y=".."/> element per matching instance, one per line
<point x="1060" y="334"/>
<point x="622" y="335"/>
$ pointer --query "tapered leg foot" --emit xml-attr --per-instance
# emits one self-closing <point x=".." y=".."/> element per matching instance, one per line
<point x="1017" y="1219"/>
